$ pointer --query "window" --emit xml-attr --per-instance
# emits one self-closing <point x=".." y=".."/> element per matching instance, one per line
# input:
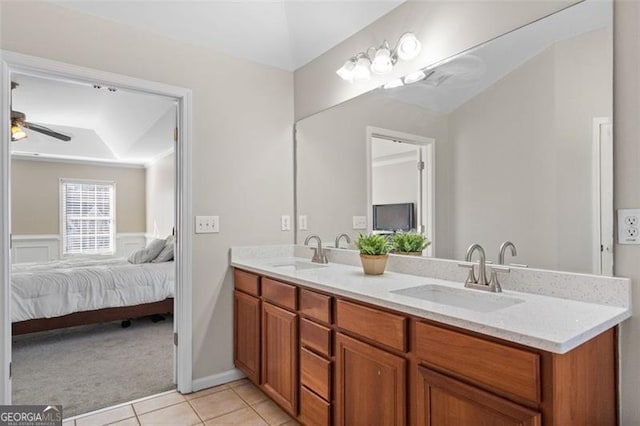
<point x="88" y="217"/>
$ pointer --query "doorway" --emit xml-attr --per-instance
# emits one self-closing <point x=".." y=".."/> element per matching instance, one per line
<point x="401" y="172"/>
<point x="14" y="64"/>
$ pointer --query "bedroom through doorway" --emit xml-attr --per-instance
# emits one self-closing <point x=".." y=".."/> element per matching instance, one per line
<point x="93" y="220"/>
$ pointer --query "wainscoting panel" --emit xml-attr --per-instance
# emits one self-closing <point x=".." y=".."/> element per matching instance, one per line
<point x="43" y="248"/>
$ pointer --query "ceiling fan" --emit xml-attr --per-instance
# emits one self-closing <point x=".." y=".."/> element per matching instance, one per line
<point x="19" y="123"/>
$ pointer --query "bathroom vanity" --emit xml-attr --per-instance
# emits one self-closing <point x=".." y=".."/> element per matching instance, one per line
<point x="332" y="346"/>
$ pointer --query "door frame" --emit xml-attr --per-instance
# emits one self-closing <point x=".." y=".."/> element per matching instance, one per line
<point x="429" y="145"/>
<point x="26" y="64"/>
<point x="602" y="186"/>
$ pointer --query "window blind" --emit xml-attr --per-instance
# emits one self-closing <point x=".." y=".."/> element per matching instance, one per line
<point x="88" y="217"/>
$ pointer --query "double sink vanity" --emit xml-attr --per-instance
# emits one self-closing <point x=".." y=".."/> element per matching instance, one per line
<point x="331" y="345"/>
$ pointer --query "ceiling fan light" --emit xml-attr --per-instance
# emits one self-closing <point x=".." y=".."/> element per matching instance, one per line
<point x="414" y="76"/>
<point x="408" y="46"/>
<point x="382" y="62"/>
<point x="17" y="133"/>
<point x="362" y="71"/>
<point x="393" y="84"/>
<point x="347" y="70"/>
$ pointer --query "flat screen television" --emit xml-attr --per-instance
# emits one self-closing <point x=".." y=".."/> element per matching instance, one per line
<point x="394" y="217"/>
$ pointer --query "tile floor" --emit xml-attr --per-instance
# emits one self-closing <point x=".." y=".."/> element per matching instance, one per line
<point x="236" y="403"/>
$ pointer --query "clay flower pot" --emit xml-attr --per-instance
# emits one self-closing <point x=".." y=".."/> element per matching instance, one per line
<point x="374" y="265"/>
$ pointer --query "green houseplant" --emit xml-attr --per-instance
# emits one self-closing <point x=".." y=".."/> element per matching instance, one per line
<point x="409" y="243"/>
<point x="374" y="252"/>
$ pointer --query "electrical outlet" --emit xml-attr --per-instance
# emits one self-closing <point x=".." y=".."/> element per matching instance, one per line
<point x="359" y="222"/>
<point x="207" y="224"/>
<point x="629" y="226"/>
<point x="302" y="222"/>
<point x="285" y="223"/>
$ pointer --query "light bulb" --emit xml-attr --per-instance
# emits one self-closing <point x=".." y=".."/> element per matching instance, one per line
<point x="414" y="76"/>
<point x="382" y="62"/>
<point x="393" y="84"/>
<point x="17" y="133"/>
<point x="362" y="71"/>
<point x="347" y="70"/>
<point x="408" y="46"/>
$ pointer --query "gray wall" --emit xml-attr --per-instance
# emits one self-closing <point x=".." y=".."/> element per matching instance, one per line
<point x="242" y="142"/>
<point x="35" y="194"/>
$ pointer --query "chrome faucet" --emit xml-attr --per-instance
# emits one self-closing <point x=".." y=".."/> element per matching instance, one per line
<point x="480" y="282"/>
<point x="482" y="273"/>
<point x="319" y="256"/>
<point x="503" y="248"/>
<point x="496" y="269"/>
<point x="346" y="238"/>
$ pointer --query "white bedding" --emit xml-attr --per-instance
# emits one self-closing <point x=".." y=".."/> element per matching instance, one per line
<point x="51" y="289"/>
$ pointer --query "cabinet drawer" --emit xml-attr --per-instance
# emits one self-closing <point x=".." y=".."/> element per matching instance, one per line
<point x="315" y="305"/>
<point x="279" y="293"/>
<point x="383" y="327"/>
<point x="247" y="282"/>
<point x="498" y="367"/>
<point x="315" y="336"/>
<point x="315" y="373"/>
<point x="314" y="411"/>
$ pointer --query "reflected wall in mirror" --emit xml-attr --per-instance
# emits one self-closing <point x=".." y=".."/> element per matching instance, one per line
<point x="519" y="134"/>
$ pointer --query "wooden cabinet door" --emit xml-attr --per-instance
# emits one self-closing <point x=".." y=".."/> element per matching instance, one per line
<point x="246" y="334"/>
<point x="280" y="356"/>
<point x="370" y="385"/>
<point x="443" y="401"/>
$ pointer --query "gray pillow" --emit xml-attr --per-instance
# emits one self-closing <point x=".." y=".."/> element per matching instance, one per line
<point x="147" y="254"/>
<point x="167" y="252"/>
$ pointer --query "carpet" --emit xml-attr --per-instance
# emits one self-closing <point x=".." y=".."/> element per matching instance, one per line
<point x="94" y="366"/>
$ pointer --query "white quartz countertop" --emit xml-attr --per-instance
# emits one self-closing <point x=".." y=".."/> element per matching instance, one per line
<point x="549" y="323"/>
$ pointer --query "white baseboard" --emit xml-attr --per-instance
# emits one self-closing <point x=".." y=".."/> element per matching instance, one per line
<point x="217" y="379"/>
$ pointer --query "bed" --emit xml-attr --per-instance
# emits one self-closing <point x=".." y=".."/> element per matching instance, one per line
<point x="73" y="292"/>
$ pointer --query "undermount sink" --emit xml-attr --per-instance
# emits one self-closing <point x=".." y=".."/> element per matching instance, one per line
<point x="297" y="265"/>
<point x="460" y="298"/>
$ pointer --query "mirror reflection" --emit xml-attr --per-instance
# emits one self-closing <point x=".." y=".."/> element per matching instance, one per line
<point x="507" y="141"/>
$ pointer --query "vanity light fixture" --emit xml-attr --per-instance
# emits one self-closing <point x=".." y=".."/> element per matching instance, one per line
<point x="414" y="76"/>
<point x="393" y="84"/>
<point x="380" y="60"/>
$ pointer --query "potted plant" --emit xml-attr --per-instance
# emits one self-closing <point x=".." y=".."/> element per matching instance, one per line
<point x="410" y="243"/>
<point x="374" y="252"/>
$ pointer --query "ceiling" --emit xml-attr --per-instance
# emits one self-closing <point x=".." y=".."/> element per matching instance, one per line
<point x="284" y="34"/>
<point x="122" y="126"/>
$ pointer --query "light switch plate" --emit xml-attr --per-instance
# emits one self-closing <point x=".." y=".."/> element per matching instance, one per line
<point x="359" y="222"/>
<point x="285" y="222"/>
<point x="629" y="226"/>
<point x="207" y="224"/>
<point x="302" y="222"/>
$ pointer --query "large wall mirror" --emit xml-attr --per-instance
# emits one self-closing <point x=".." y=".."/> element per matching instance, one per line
<point x="510" y="140"/>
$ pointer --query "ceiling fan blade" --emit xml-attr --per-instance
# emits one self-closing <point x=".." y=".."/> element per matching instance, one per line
<point x="46" y="131"/>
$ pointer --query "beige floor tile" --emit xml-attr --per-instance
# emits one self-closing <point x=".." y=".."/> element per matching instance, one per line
<point x="244" y="417"/>
<point x="217" y="404"/>
<point x="205" y="392"/>
<point x="106" y="417"/>
<point x="291" y="423"/>
<point x="250" y="393"/>
<point x="132" y="421"/>
<point x="158" y="402"/>
<point x="176" y="415"/>
<point x="69" y="423"/>
<point x="273" y="414"/>
<point x="239" y="383"/>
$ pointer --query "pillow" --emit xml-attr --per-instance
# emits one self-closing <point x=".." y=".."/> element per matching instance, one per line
<point x="150" y="252"/>
<point x="166" y="254"/>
